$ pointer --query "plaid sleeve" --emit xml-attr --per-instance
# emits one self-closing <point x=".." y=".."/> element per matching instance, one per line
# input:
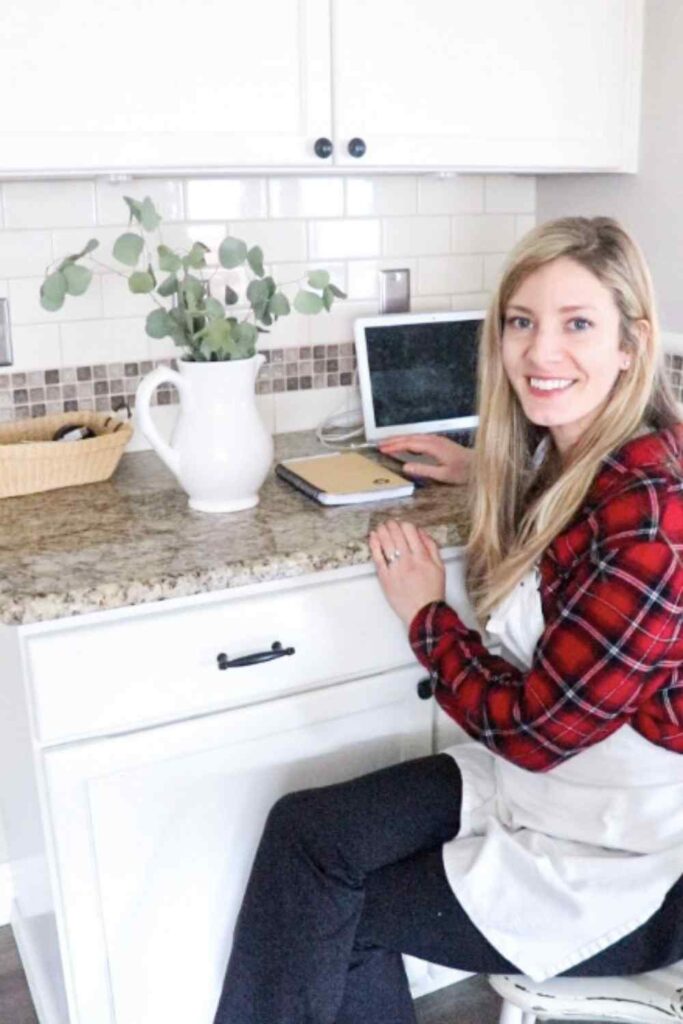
<point x="604" y="653"/>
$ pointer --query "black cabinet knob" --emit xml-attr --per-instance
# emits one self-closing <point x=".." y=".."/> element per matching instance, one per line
<point x="323" y="148"/>
<point x="356" y="147"/>
<point x="425" y="689"/>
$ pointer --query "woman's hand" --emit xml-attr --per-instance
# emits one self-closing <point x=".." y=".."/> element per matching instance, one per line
<point x="409" y="567"/>
<point x="452" y="460"/>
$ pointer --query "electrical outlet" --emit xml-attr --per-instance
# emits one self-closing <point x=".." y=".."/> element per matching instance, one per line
<point x="5" y="334"/>
<point x="394" y="291"/>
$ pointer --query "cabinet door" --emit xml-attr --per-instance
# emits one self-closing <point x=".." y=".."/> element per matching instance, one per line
<point x="490" y="85"/>
<point x="160" y="84"/>
<point x="155" y="832"/>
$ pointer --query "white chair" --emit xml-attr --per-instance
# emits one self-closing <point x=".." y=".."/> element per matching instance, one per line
<point x="635" y="999"/>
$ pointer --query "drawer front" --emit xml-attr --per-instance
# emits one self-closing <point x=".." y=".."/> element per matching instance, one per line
<point x="157" y="667"/>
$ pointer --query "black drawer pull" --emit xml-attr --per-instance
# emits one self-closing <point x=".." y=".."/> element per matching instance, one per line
<point x="276" y="651"/>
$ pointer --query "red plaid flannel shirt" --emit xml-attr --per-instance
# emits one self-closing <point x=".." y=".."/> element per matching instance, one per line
<point x="612" y="648"/>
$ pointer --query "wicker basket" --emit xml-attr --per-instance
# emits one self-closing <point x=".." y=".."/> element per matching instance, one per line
<point x="30" y="461"/>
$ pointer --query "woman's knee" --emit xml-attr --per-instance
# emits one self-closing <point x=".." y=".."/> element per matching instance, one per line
<point x="295" y="816"/>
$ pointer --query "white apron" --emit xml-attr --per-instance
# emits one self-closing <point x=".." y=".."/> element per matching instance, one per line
<point x="554" y="866"/>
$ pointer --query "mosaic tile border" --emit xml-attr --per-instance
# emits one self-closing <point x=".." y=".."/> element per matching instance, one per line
<point x="111" y="386"/>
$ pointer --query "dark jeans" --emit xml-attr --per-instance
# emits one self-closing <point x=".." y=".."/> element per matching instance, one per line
<point x="347" y="877"/>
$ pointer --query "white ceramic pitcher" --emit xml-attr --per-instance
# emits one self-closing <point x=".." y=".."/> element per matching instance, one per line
<point x="221" y="450"/>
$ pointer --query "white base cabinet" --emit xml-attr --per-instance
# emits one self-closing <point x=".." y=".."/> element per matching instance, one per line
<point x="131" y="841"/>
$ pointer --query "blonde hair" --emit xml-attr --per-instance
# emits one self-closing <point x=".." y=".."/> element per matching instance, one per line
<point x="516" y="509"/>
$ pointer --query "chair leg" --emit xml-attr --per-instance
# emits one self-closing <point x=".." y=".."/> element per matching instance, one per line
<point x="511" y="1014"/>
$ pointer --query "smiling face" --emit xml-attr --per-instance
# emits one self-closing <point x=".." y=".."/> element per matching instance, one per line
<point x="560" y="347"/>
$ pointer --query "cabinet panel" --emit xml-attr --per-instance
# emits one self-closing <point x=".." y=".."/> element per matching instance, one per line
<point x="490" y="85"/>
<point x="155" y="832"/>
<point x="157" y="84"/>
<point x="156" y="667"/>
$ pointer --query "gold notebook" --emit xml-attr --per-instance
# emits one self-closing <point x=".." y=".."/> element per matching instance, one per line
<point x="343" y="478"/>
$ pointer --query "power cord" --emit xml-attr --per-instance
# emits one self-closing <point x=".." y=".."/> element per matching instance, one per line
<point x="342" y="426"/>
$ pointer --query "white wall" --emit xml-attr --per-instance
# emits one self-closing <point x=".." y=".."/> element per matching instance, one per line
<point x="650" y="203"/>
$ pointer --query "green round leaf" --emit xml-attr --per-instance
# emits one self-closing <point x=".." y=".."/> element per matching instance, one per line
<point x="159" y="323"/>
<point x="232" y="252"/>
<point x="195" y="257"/>
<point x="168" y="260"/>
<point x="258" y="292"/>
<point x="169" y="286"/>
<point x="92" y="244"/>
<point x="135" y="208"/>
<point x="231" y="296"/>
<point x="245" y="335"/>
<point x="127" y="248"/>
<point x="308" y="302"/>
<point x="52" y="291"/>
<point x="328" y="298"/>
<point x="149" y="217"/>
<point x="140" y="282"/>
<point x="193" y="291"/>
<point x="77" y="278"/>
<point x="318" y="278"/>
<point x="255" y="260"/>
<point x="219" y="333"/>
<point x="279" y="305"/>
<point x="214" y="309"/>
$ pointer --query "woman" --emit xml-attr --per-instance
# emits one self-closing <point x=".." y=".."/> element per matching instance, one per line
<point x="550" y="841"/>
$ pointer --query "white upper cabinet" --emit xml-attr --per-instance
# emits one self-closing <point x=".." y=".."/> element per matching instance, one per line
<point x="159" y="86"/>
<point x="534" y="84"/>
<point x="126" y="85"/>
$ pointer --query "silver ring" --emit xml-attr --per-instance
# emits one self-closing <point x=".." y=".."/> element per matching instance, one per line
<point x="393" y="557"/>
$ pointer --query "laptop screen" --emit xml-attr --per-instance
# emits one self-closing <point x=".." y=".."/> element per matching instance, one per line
<point x="420" y="374"/>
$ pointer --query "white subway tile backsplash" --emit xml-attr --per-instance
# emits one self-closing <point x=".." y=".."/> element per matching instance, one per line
<point x="306" y="197"/>
<point x="119" y="301"/>
<point x="430" y="304"/>
<point x="49" y="204"/>
<point x="485" y="232"/>
<point x="36" y="347"/>
<point x="106" y="341"/>
<point x="305" y="410"/>
<point x="456" y="193"/>
<point x="337" y="326"/>
<point x="225" y="198"/>
<point x="166" y="194"/>
<point x="25" y="308"/>
<point x="449" y="274"/>
<point x="416" y="236"/>
<point x="279" y="239"/>
<point x="451" y="231"/>
<point x="24" y="253"/>
<point x="182" y="237"/>
<point x="392" y="195"/>
<point x="292" y="276"/>
<point x="524" y="222"/>
<point x="510" y="193"/>
<point x="492" y="267"/>
<point x="471" y="300"/>
<point x="341" y="239"/>
<point x="72" y="240"/>
<point x="363" y="275"/>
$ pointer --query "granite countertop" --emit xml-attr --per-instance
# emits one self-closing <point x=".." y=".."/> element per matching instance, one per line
<point x="133" y="539"/>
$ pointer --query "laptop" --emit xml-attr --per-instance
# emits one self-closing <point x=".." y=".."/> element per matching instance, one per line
<point x="418" y="375"/>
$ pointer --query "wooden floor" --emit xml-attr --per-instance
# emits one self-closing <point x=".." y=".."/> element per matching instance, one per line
<point x="470" y="1002"/>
